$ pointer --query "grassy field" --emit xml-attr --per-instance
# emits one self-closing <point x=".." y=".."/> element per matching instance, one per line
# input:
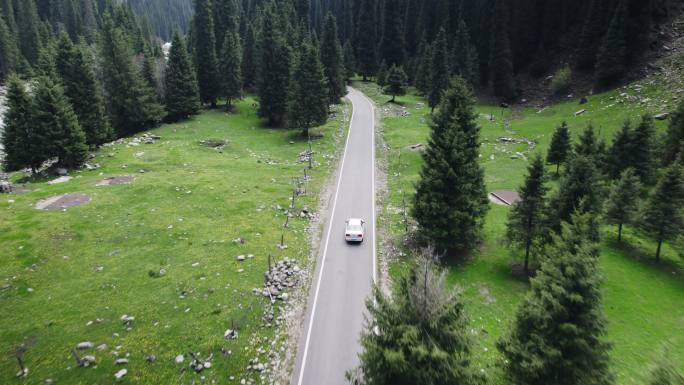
<point x="643" y="301"/>
<point x="69" y="276"/>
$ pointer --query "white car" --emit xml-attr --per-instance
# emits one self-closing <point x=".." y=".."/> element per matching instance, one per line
<point x="353" y="231"/>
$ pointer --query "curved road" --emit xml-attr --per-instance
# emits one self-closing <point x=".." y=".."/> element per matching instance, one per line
<point x="329" y="345"/>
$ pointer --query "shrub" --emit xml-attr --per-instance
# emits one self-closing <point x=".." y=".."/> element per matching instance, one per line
<point x="562" y="81"/>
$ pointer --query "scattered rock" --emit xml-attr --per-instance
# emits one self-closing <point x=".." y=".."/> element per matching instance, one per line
<point x="180" y="358"/>
<point x="241" y="258"/>
<point x="150" y="358"/>
<point x="61" y="171"/>
<point x="216" y="144"/>
<point x="504" y="197"/>
<point x="120" y="374"/>
<point x="5" y="187"/>
<point x="101" y="348"/>
<point x="662" y="116"/>
<point x="230" y="334"/>
<point x="127" y="319"/>
<point x="121" y="361"/>
<point x="85" y="345"/>
<point x="580" y="112"/>
<point x="61" y="179"/>
<point x="416" y="147"/>
<point x="584" y="100"/>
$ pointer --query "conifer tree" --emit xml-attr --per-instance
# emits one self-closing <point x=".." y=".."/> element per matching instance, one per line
<point x="226" y="19"/>
<point x="182" y="91"/>
<point x="589" y="145"/>
<point x="82" y="89"/>
<point x="274" y="72"/>
<point x="132" y="103"/>
<point x="148" y="73"/>
<point x="418" y="335"/>
<point x="662" y="218"/>
<point x="332" y="59"/>
<point x="366" y="35"/>
<point x="560" y="146"/>
<point x="308" y="104"/>
<point x="349" y="61"/>
<point x="231" y="68"/>
<point x="612" y="55"/>
<point x="23" y="146"/>
<point x="643" y="150"/>
<point x="501" y="57"/>
<point x="396" y="82"/>
<point x="205" y="51"/>
<point x="381" y="75"/>
<point x="674" y="141"/>
<point x="623" y="201"/>
<point x="620" y="151"/>
<point x="439" y="70"/>
<point x="451" y="200"/>
<point x="28" y="33"/>
<point x="559" y="329"/>
<point x="9" y="52"/>
<point x="392" y="44"/>
<point x="249" y="59"/>
<point x="580" y="191"/>
<point x="55" y="121"/>
<point x="525" y="221"/>
<point x="465" y="61"/>
<point x="423" y="73"/>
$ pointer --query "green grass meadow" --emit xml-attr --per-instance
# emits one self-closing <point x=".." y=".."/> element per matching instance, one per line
<point x="643" y="300"/>
<point x="68" y="276"/>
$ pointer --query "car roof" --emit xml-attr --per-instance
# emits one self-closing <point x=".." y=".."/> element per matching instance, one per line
<point x="354" y="221"/>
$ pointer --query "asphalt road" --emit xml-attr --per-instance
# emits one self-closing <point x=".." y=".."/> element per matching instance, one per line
<point x="329" y="345"/>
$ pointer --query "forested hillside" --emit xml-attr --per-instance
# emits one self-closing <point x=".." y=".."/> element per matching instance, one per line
<point x="164" y="16"/>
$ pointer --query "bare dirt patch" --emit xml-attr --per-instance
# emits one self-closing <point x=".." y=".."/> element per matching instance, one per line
<point x="504" y="197"/>
<point x="63" y="202"/>
<point x="115" y="180"/>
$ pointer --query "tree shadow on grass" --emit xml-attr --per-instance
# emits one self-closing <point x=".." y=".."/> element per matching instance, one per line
<point x="667" y="266"/>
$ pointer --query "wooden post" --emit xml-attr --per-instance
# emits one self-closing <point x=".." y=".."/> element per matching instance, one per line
<point x="294" y="193"/>
<point x="287" y="221"/>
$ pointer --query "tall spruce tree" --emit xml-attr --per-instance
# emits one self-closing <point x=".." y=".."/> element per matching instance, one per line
<point x="182" y="91"/>
<point x="662" y="218"/>
<point x="28" y="30"/>
<point x="381" y="74"/>
<point x="525" y="221"/>
<point x="580" y="191"/>
<point x="82" y="89"/>
<point x="423" y="77"/>
<point x="366" y="46"/>
<point x="55" y="121"/>
<point x="674" y="142"/>
<point x="559" y="329"/>
<point x="396" y="82"/>
<point x="205" y="51"/>
<point x="132" y="103"/>
<point x="451" y="200"/>
<point x="392" y="44"/>
<point x="620" y="155"/>
<point x="439" y="70"/>
<point x="9" y="52"/>
<point x="226" y="19"/>
<point x="501" y="57"/>
<point x="349" y="61"/>
<point x="560" y="146"/>
<point x="333" y="61"/>
<point x="465" y="55"/>
<point x="623" y="202"/>
<point x="231" y="68"/>
<point x="418" y="335"/>
<point x="249" y="59"/>
<point x="643" y="150"/>
<point x="589" y="144"/>
<point x="308" y="104"/>
<point x="23" y="145"/>
<point x="274" y="72"/>
<point x="612" y="55"/>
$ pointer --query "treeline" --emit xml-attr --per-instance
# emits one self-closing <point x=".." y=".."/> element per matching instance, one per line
<point x="420" y="333"/>
<point x="490" y="41"/>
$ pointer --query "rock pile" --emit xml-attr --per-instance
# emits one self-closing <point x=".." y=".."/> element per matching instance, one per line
<point x="284" y="275"/>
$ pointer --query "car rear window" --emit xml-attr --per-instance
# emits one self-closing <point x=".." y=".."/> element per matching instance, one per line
<point x="355" y="227"/>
